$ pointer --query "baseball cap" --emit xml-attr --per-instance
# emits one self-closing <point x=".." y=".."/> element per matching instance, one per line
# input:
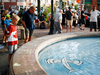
<point x="7" y="15"/>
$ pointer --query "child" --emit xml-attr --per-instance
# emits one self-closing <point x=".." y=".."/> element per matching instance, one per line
<point x="12" y="37"/>
<point x="7" y="21"/>
<point x="6" y="24"/>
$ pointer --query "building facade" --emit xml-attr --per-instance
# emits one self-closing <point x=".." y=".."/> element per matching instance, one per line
<point x="90" y="3"/>
<point x="26" y="3"/>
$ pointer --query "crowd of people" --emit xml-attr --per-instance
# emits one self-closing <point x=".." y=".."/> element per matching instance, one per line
<point x="67" y="18"/>
<point x="71" y="18"/>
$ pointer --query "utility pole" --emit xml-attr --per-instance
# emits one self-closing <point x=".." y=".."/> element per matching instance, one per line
<point x="52" y="21"/>
<point x="38" y="8"/>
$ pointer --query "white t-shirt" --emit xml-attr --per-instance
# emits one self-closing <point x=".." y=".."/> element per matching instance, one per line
<point x="16" y="12"/>
<point x="94" y="14"/>
<point x="57" y="17"/>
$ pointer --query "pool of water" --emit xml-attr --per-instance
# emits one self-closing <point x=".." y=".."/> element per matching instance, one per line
<point x="78" y="56"/>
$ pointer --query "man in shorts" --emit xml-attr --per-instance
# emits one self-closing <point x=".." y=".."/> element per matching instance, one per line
<point x="69" y="19"/>
<point x="28" y="22"/>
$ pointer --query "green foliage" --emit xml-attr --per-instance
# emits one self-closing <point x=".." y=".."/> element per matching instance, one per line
<point x="20" y="13"/>
<point x="63" y="5"/>
<point x="46" y="12"/>
<point x="21" y="16"/>
<point x="76" y="7"/>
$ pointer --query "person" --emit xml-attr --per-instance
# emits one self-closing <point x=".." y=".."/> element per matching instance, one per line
<point x="16" y="11"/>
<point x="10" y="10"/>
<point x="83" y="19"/>
<point x="41" y="11"/>
<point x="75" y="19"/>
<point x="57" y="22"/>
<point x="72" y="8"/>
<point x="63" y="19"/>
<point x="66" y="10"/>
<point x="12" y="37"/>
<point x="99" y="22"/>
<point x="69" y="19"/>
<point x="24" y="11"/>
<point x="41" y="20"/>
<point x="3" y="17"/>
<point x="93" y="18"/>
<point x="79" y="19"/>
<point x="7" y="22"/>
<point x="28" y="22"/>
<point x="49" y="19"/>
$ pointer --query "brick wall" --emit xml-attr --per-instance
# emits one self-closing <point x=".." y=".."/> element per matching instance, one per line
<point x="94" y="3"/>
<point x="7" y="4"/>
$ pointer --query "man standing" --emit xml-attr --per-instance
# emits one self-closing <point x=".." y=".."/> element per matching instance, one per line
<point x="93" y="19"/>
<point x="69" y="19"/>
<point x="28" y="22"/>
<point x="83" y="19"/>
<point x="57" y="22"/>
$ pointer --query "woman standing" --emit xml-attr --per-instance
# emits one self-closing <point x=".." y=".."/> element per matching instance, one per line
<point x="3" y="17"/>
<point x="63" y="19"/>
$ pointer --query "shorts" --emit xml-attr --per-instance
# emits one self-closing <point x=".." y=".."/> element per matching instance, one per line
<point x="69" y="22"/>
<point x="82" y="21"/>
<point x="3" y="28"/>
<point x="12" y="48"/>
<point x="28" y="32"/>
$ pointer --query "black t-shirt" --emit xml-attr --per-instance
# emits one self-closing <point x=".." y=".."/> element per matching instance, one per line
<point x="41" y="18"/>
<point x="29" y="20"/>
<point x="82" y="12"/>
<point x="68" y="15"/>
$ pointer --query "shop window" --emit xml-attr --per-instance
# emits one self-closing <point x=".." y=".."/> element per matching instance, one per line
<point x="99" y="7"/>
<point x="20" y="0"/>
<point x="88" y="7"/>
<point x="13" y="0"/>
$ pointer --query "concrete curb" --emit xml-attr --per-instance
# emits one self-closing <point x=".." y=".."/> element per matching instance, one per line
<point x="25" y="59"/>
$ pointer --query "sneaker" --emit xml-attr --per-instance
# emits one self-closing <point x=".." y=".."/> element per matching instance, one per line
<point x="5" y="44"/>
<point x="45" y="27"/>
<point x="38" y="28"/>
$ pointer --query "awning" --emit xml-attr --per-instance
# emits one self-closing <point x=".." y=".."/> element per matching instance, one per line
<point x="87" y="1"/>
<point x="98" y="1"/>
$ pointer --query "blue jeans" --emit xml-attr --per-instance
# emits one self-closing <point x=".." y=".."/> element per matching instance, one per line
<point x="57" y="28"/>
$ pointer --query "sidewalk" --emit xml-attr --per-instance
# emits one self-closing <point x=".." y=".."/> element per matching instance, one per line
<point x="37" y="33"/>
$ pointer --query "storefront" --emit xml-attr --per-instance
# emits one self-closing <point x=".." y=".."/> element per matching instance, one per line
<point x="88" y="5"/>
<point x="98" y="2"/>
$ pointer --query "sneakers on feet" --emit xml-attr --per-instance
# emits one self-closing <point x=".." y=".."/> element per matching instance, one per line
<point x="5" y="44"/>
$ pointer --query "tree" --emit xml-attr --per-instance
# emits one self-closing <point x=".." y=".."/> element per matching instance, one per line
<point x="63" y="4"/>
